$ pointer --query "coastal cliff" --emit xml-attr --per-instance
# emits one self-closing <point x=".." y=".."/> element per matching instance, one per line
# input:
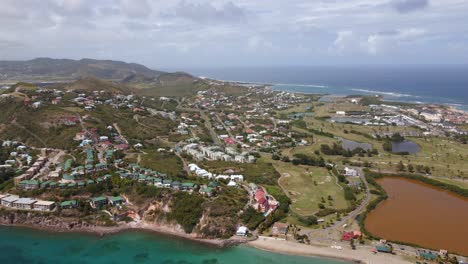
<point x="157" y="218"/>
<point x="45" y="221"/>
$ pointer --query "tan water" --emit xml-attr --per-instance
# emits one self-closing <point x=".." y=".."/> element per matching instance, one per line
<point x="421" y="214"/>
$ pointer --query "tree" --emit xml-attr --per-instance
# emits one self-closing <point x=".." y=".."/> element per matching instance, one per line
<point x="401" y="166"/>
<point x="427" y="170"/>
<point x="387" y="146"/>
<point x="308" y="220"/>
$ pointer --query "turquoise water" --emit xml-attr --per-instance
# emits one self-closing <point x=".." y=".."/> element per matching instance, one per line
<point x="19" y="245"/>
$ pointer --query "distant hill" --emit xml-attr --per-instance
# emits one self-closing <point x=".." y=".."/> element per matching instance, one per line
<point x="93" y="84"/>
<point x="47" y="68"/>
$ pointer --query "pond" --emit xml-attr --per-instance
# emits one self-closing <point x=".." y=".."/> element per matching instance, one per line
<point x="421" y="214"/>
<point x="352" y="145"/>
<point x="405" y="146"/>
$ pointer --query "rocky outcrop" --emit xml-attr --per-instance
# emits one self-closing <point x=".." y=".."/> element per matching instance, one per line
<point x="42" y="220"/>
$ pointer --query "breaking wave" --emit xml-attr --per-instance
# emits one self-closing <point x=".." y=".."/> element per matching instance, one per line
<point x="384" y="93"/>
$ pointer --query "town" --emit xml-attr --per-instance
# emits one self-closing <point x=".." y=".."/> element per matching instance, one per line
<point x="242" y="163"/>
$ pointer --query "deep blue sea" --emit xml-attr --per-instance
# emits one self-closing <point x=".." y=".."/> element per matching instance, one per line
<point x="446" y="84"/>
<point x="25" y="246"/>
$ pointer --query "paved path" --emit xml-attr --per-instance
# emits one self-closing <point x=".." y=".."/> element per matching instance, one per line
<point x="327" y="231"/>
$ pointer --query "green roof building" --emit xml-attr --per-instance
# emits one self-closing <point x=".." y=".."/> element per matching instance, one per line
<point x="115" y="200"/>
<point x="68" y="177"/>
<point x="97" y="202"/>
<point x="188" y="186"/>
<point x="68" y="204"/>
<point x="207" y="191"/>
<point x="28" y="184"/>
<point x="68" y="164"/>
<point x="213" y="184"/>
<point x="384" y="248"/>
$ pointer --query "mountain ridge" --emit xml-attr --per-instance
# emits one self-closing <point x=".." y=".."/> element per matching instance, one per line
<point x="44" y="67"/>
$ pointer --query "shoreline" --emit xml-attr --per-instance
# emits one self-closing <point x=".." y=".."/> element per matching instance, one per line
<point x="102" y="231"/>
<point x="360" y="255"/>
<point x="261" y="243"/>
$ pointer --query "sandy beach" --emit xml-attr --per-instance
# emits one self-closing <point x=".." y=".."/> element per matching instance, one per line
<point x="360" y="255"/>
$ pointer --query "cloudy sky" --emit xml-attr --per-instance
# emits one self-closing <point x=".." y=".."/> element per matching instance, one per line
<point x="212" y="33"/>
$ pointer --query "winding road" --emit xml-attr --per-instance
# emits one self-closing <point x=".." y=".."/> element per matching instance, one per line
<point x="326" y="231"/>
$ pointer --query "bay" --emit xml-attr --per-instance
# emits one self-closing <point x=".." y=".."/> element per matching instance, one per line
<point x="20" y="245"/>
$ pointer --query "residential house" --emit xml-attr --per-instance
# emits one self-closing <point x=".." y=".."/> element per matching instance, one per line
<point x="351" y="172"/>
<point x="24" y="203"/>
<point x="69" y="204"/>
<point x="9" y="200"/>
<point x="279" y="229"/>
<point x="29" y="185"/>
<point x="44" y="206"/>
<point x="187" y="186"/>
<point x="97" y="202"/>
<point x="116" y="200"/>
<point x="208" y="191"/>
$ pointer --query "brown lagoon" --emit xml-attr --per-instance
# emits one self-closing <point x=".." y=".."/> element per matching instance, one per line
<point x="421" y="214"/>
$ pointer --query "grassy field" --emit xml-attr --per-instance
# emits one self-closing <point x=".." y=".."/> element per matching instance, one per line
<point x="162" y="162"/>
<point x="445" y="157"/>
<point x="299" y="108"/>
<point x="456" y="182"/>
<point x="329" y="109"/>
<point x="307" y="185"/>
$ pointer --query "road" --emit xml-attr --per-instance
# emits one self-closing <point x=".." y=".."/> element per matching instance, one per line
<point x="364" y="203"/>
<point x="210" y="128"/>
<point x="326" y="232"/>
<point x="208" y="124"/>
<point x="116" y="126"/>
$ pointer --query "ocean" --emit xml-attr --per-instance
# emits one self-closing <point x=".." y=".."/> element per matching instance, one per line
<point x="443" y="84"/>
<point x="20" y="245"/>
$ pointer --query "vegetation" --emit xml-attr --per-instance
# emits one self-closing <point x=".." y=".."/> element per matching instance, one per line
<point x="163" y="162"/>
<point x="303" y="159"/>
<point x="251" y="218"/>
<point x="306" y="186"/>
<point x="186" y="210"/>
<point x="261" y="172"/>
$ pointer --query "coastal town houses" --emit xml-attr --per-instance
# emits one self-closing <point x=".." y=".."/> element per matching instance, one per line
<point x="25" y="203"/>
<point x="97" y="202"/>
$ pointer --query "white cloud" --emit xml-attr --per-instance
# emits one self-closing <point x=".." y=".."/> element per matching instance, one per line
<point x="292" y="32"/>
<point x="135" y="8"/>
<point x="379" y="42"/>
<point x="345" y="40"/>
<point x="259" y="43"/>
<point x="207" y="12"/>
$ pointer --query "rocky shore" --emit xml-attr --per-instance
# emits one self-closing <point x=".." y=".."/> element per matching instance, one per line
<point x="51" y="223"/>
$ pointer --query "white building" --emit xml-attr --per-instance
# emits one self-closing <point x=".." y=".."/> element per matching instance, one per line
<point x="242" y="231"/>
<point x="46" y="206"/>
<point x="24" y="203"/>
<point x="351" y="172"/>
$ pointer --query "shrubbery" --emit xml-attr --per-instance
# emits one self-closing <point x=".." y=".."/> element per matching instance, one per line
<point x="187" y="210"/>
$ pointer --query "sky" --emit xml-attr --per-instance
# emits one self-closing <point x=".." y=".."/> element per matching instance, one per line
<point x="219" y="33"/>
